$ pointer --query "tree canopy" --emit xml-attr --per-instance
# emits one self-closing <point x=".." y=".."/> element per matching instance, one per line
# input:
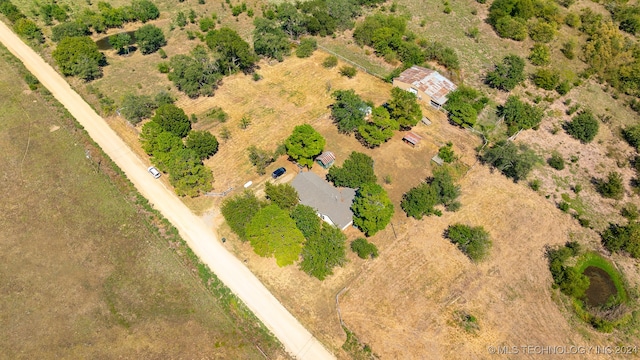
<point x="583" y="126"/>
<point x="239" y="210"/>
<point x="473" y="241"/>
<point x="307" y="220"/>
<point x="348" y="111"/>
<point x="134" y="108"/>
<point x="195" y="75"/>
<point x="304" y="144"/>
<point x="233" y="53"/>
<point x="464" y="104"/>
<point x="519" y="115"/>
<point x="372" y="209"/>
<point x="507" y="75"/>
<point x="173" y="119"/>
<point x="379" y="130"/>
<point x="283" y="195"/>
<point x="512" y="160"/>
<point x="323" y="251"/>
<point x="364" y="249"/>
<point x="626" y="238"/>
<point x="203" y="143"/>
<point x="272" y="232"/>
<point x="270" y="40"/>
<point x="79" y="56"/>
<point x="437" y="190"/>
<point x="150" y="38"/>
<point x="404" y="108"/>
<point x="356" y="170"/>
<point x="120" y="42"/>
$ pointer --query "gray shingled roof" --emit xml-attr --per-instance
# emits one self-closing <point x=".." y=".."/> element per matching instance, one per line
<point x="324" y="198"/>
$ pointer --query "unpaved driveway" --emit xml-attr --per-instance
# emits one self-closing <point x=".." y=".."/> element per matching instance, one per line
<point x="296" y="339"/>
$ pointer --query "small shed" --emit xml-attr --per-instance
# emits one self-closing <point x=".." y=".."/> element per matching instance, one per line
<point x="412" y="138"/>
<point x="438" y="160"/>
<point x="326" y="159"/>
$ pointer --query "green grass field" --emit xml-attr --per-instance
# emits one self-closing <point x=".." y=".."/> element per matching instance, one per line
<point x="85" y="272"/>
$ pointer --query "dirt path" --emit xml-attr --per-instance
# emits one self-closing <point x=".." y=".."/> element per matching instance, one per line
<point x="295" y="338"/>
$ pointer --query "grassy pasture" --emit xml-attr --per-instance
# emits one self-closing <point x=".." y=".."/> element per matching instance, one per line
<point x="85" y="272"/>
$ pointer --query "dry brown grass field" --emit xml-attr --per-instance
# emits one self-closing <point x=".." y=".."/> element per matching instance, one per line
<point x="404" y="304"/>
<point x="84" y="272"/>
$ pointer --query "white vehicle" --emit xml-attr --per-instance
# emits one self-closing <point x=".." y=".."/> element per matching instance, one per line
<point x="153" y="171"/>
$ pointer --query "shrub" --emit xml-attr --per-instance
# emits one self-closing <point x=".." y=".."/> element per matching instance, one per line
<point x="330" y="61"/>
<point x="556" y="161"/>
<point x="446" y="153"/>
<point x="472" y="241"/>
<point x="568" y="49"/>
<point x="507" y="75"/>
<point x="546" y="79"/>
<point x="306" y="48"/>
<point x="348" y="71"/>
<point x="623" y="238"/>
<point x="632" y="135"/>
<point x="583" y="126"/>
<point x="563" y="88"/>
<point x="541" y="31"/>
<point x="364" y="249"/>
<point x="540" y="55"/>
<point x="31" y="80"/>
<point x="164" y="67"/>
<point x="260" y="158"/>
<point x="535" y="184"/>
<point x="630" y="211"/>
<point x="512" y="160"/>
<point x="613" y="187"/>
<point x="564" y="206"/>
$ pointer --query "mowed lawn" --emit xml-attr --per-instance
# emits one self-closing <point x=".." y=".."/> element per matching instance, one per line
<point x="83" y="274"/>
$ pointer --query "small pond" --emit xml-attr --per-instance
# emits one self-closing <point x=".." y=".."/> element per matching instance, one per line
<point x="601" y="287"/>
<point x="103" y="43"/>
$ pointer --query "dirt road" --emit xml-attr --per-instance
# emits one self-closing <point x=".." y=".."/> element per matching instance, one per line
<point x="296" y="339"/>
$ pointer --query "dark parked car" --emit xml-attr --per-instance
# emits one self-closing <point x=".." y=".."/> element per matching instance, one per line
<point x="278" y="172"/>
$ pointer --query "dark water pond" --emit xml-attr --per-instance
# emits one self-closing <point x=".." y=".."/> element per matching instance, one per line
<point x="601" y="286"/>
<point x="103" y="44"/>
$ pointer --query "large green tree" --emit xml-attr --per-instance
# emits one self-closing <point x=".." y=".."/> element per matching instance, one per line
<point x="437" y="190"/>
<point x="69" y="29"/>
<point x="187" y="174"/>
<point x="173" y="119"/>
<point x="464" y="104"/>
<point x="272" y="232"/>
<point x="120" y="42"/>
<point x="233" y="53"/>
<point x="270" y="40"/>
<point x="304" y="144"/>
<point x="195" y="75"/>
<point x="404" y="108"/>
<point x="519" y="115"/>
<point x="307" y="220"/>
<point x="348" y="111"/>
<point x="150" y="38"/>
<point x="507" y="75"/>
<point x="203" y="143"/>
<point x="324" y="251"/>
<point x="372" y="209"/>
<point x="473" y="241"/>
<point x="79" y="56"/>
<point x="356" y="170"/>
<point x="283" y="195"/>
<point x="134" y="108"/>
<point x="379" y="130"/>
<point x="512" y="160"/>
<point x="583" y="126"/>
<point x="239" y="210"/>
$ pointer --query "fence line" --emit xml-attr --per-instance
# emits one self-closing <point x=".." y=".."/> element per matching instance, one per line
<point x="351" y="62"/>
<point x="221" y="194"/>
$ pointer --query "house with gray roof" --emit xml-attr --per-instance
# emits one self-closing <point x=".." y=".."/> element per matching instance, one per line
<point x="428" y="85"/>
<point x="332" y="204"/>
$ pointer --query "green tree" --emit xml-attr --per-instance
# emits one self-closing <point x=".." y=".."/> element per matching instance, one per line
<point x="120" y="42"/>
<point x="206" y="24"/>
<point x="540" y="55"/>
<point x="203" y="143"/>
<point x="519" y="115"/>
<point x="446" y="153"/>
<point x="239" y="210"/>
<point x="307" y="220"/>
<point x="270" y="40"/>
<point x="613" y="187"/>
<point x="404" y="108"/>
<point x="195" y="75"/>
<point x="356" y="170"/>
<point x="272" y="232"/>
<point x="187" y="174"/>
<point x="144" y="10"/>
<point x="348" y="111"/>
<point x="632" y="135"/>
<point x="556" y="161"/>
<point x="439" y="189"/>
<point x="69" y="29"/>
<point x="511" y="28"/>
<point x="150" y="38"/>
<point x="260" y="158"/>
<point x="541" y="31"/>
<point x="163" y="97"/>
<point x="134" y="108"/>
<point x="324" y="251"/>
<point x="304" y="144"/>
<point x="348" y="71"/>
<point x="364" y="249"/>
<point x="546" y="78"/>
<point x="28" y="29"/>
<point x="283" y="195"/>
<point x="234" y="54"/>
<point x="379" y="130"/>
<point x="472" y="241"/>
<point x="307" y="47"/>
<point x="464" y="104"/>
<point x="181" y="20"/>
<point x="619" y="238"/>
<point x="507" y="75"/>
<point x="372" y="209"/>
<point x="583" y="126"/>
<point x="79" y="56"/>
<point x="173" y="119"/>
<point x="512" y="160"/>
